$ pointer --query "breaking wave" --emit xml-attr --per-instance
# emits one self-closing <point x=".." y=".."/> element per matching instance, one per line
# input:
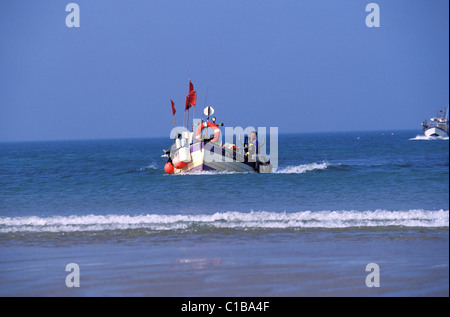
<point x="261" y="220"/>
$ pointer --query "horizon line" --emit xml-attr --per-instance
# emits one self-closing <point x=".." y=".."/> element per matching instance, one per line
<point x="160" y="136"/>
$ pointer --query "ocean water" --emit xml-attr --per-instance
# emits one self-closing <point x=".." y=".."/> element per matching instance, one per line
<point x="337" y="202"/>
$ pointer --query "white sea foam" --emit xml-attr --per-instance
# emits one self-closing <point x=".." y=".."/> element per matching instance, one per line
<point x="228" y="220"/>
<point x="303" y="168"/>
<point x="297" y="169"/>
<point x="151" y="166"/>
<point x="427" y="138"/>
<point x="194" y="173"/>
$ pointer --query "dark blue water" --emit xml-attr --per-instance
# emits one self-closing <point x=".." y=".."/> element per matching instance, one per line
<point x="375" y="196"/>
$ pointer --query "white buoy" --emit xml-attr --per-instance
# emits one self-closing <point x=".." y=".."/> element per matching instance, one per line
<point x="185" y="154"/>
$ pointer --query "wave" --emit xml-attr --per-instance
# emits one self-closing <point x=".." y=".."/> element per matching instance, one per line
<point x="311" y="167"/>
<point x="152" y="168"/>
<point x="149" y="167"/>
<point x="428" y="138"/>
<point x="297" y="169"/>
<point x="303" y="168"/>
<point x="261" y="220"/>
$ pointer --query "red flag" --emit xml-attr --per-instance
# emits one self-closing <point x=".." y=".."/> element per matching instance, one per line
<point x="173" y="106"/>
<point x="191" y="98"/>
<point x="188" y="102"/>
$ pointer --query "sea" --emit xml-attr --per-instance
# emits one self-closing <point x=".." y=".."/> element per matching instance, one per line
<point x="348" y="214"/>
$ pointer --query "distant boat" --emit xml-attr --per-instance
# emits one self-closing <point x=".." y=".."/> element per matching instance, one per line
<point x="195" y="150"/>
<point x="437" y="126"/>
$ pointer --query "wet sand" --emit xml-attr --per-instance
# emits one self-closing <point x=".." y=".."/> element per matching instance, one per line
<point x="260" y="265"/>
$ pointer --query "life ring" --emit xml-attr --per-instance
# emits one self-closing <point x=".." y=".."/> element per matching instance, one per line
<point x="198" y="133"/>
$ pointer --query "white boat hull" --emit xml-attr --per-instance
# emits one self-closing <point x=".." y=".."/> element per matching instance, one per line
<point x="208" y="160"/>
<point x="435" y="132"/>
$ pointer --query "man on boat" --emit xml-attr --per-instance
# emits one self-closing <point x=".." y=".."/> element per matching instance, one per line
<point x="253" y="146"/>
<point x="252" y="150"/>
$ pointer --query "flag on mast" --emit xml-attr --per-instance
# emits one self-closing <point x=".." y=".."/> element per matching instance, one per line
<point x="173" y="107"/>
<point x="191" y="98"/>
<point x="173" y="112"/>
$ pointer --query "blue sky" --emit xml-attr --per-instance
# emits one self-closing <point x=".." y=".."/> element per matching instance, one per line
<point x="300" y="65"/>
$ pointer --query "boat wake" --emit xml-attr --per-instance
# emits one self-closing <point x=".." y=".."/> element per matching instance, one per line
<point x="200" y="173"/>
<point x="231" y="220"/>
<point x="428" y="138"/>
<point x="292" y="169"/>
<point x="303" y="168"/>
<point x="150" y="167"/>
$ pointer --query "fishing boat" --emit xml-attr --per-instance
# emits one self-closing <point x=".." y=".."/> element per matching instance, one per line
<point x="437" y="126"/>
<point x="194" y="150"/>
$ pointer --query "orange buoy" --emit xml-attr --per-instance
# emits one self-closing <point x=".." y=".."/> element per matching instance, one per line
<point x="177" y="163"/>
<point x="169" y="168"/>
